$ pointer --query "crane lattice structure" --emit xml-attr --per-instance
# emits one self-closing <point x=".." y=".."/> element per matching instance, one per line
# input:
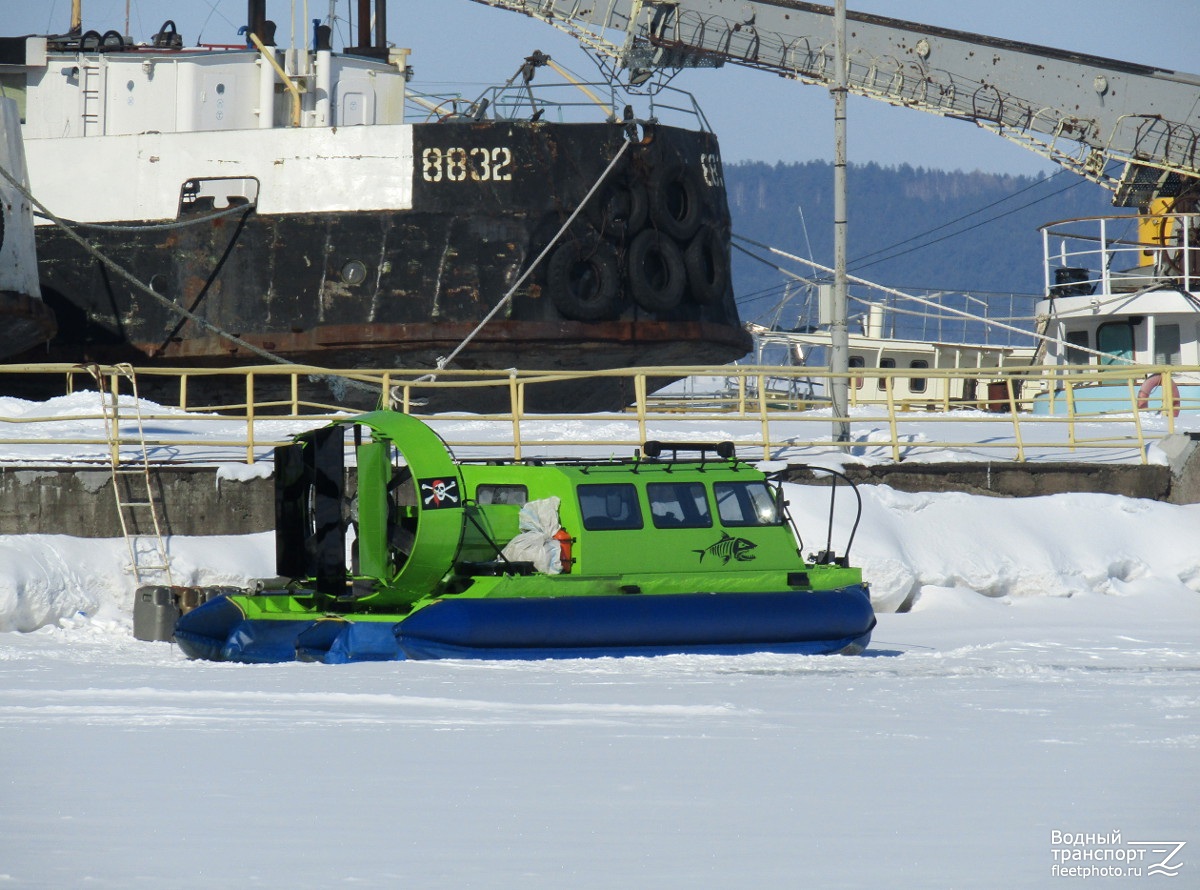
<point x="1134" y="129"/>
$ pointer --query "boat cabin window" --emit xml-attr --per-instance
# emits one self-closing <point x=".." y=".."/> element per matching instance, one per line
<point x="609" y="506"/>
<point x="1115" y="339"/>
<point x="1166" y="345"/>
<point x="917" y="384"/>
<point x="857" y="361"/>
<point x="502" y="494"/>
<point x="1075" y="355"/>
<point x="678" y="505"/>
<point x="746" y="503"/>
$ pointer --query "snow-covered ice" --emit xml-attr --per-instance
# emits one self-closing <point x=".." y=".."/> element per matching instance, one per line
<point x="1044" y="680"/>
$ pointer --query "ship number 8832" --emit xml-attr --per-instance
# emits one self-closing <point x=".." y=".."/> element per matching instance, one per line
<point x="462" y="164"/>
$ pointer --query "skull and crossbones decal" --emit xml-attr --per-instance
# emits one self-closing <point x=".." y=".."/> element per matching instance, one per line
<point x="439" y="493"/>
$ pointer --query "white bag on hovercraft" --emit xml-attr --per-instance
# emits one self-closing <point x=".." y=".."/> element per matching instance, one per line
<point x="535" y="542"/>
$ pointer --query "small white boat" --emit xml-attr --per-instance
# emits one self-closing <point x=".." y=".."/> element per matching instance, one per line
<point x="893" y="331"/>
<point x="1122" y="292"/>
<point x="1120" y="310"/>
<point x="875" y="347"/>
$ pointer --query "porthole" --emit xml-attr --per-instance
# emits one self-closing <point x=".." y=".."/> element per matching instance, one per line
<point x="354" y="273"/>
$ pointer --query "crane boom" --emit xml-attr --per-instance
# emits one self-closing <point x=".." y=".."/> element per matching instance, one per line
<point x="1132" y="128"/>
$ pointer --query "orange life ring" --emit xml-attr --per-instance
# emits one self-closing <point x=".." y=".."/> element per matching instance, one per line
<point x="1153" y="382"/>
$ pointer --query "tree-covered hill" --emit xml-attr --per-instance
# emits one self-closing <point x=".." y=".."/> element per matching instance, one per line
<point x="909" y="228"/>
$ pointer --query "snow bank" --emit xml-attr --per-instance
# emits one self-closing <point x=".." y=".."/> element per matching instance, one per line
<point x="46" y="579"/>
<point x="908" y="545"/>
<point x="1058" y="545"/>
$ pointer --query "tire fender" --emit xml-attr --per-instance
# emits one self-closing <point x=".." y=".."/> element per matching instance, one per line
<point x="619" y="211"/>
<point x="706" y="260"/>
<point x="676" y="201"/>
<point x="657" y="276"/>
<point x="583" y="279"/>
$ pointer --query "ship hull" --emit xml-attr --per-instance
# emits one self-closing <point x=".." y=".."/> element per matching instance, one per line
<point x="450" y="222"/>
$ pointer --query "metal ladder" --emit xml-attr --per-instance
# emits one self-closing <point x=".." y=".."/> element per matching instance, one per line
<point x="91" y="98"/>
<point x="148" y="559"/>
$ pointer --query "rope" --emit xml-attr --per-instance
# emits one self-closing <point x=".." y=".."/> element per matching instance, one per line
<point x="888" y="290"/>
<point x="155" y="227"/>
<point x="895" y="310"/>
<point x="445" y="360"/>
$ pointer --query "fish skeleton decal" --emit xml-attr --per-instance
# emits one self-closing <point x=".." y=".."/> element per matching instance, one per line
<point x="729" y="548"/>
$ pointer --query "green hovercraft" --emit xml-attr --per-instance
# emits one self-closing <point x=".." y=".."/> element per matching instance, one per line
<point x="648" y="555"/>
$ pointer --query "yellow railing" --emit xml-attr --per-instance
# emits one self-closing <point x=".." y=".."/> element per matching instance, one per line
<point x="1042" y="413"/>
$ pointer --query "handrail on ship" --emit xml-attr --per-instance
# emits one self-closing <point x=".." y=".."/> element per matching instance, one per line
<point x="575" y="100"/>
<point x="772" y="413"/>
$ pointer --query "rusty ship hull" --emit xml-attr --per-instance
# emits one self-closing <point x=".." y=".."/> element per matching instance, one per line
<point x="400" y="288"/>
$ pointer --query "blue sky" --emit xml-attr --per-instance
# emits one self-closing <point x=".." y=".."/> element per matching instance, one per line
<point x="756" y="115"/>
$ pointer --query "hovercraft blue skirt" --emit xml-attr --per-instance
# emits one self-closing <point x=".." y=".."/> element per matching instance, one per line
<point x="816" y="622"/>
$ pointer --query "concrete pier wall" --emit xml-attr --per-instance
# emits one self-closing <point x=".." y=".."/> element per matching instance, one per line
<point x="79" y="501"/>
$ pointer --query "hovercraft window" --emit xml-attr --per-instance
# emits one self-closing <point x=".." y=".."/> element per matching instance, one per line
<point x="679" y="505"/>
<point x="746" y="503"/>
<point x="613" y="506"/>
<point x="502" y="494"/>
